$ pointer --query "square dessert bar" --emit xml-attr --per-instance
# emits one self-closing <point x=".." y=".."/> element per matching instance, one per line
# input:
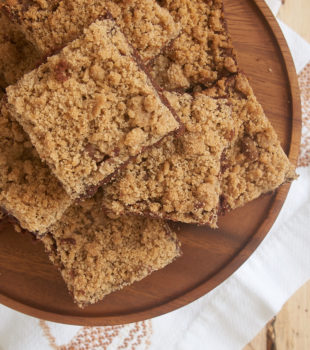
<point x="28" y="191"/>
<point x="52" y="24"/>
<point x="97" y="255"/>
<point x="17" y="56"/>
<point x="255" y="163"/>
<point x="180" y="179"/>
<point x="202" y="53"/>
<point x="91" y="108"/>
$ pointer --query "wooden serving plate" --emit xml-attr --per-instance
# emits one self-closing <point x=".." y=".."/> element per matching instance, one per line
<point x="30" y="284"/>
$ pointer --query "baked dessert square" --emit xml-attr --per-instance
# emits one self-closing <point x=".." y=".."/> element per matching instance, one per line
<point x="255" y="163"/>
<point x="29" y="192"/>
<point x="17" y="55"/>
<point x="91" y="108"/>
<point x="52" y="24"/>
<point x="202" y="53"/>
<point x="180" y="179"/>
<point x="249" y="161"/>
<point x="97" y="255"/>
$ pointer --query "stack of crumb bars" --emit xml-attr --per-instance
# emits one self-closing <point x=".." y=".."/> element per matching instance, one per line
<point x="117" y="115"/>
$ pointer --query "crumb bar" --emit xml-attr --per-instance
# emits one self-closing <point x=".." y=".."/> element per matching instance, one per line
<point x="91" y="108"/>
<point x="17" y="56"/>
<point x="202" y="53"/>
<point x="28" y="190"/>
<point x="180" y="179"/>
<point x="255" y="163"/>
<point x="97" y="255"/>
<point x="52" y="24"/>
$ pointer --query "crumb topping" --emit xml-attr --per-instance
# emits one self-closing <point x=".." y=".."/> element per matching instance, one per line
<point x="82" y="109"/>
<point x="255" y="163"/>
<point x="17" y="56"/>
<point x="52" y="24"/>
<point x="28" y="190"/>
<point x="202" y="53"/>
<point x="97" y="255"/>
<point x="180" y="179"/>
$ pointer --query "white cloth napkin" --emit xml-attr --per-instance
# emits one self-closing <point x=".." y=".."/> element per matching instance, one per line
<point x="232" y="314"/>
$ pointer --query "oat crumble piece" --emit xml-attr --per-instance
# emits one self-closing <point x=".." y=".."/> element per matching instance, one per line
<point x="97" y="255"/>
<point x="91" y="108"/>
<point x="28" y="190"/>
<point x="180" y="179"/>
<point x="202" y="53"/>
<point x="255" y="163"/>
<point x="17" y="56"/>
<point x="52" y="24"/>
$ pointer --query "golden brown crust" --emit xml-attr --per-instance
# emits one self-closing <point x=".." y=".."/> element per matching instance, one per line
<point x="251" y="163"/>
<point x="29" y="193"/>
<point x="96" y="80"/>
<point x="17" y="56"/>
<point x="255" y="163"/>
<point x="180" y="179"/>
<point x="98" y="255"/>
<point x="52" y="24"/>
<point x="28" y="190"/>
<point x="202" y="53"/>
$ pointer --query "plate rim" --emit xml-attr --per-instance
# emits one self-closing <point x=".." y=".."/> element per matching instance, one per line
<point x="243" y="253"/>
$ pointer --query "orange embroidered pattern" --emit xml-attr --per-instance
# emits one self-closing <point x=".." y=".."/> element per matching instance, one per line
<point x="129" y="337"/>
<point x="304" y="83"/>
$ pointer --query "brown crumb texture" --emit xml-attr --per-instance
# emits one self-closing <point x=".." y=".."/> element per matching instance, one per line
<point x="52" y="24"/>
<point x="90" y="108"/>
<point x="28" y="190"/>
<point x="98" y="255"/>
<point x="255" y="163"/>
<point x="180" y="179"/>
<point x="17" y="56"/>
<point x="2" y="215"/>
<point x="202" y="53"/>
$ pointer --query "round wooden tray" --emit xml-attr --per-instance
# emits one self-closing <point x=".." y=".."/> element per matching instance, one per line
<point x="30" y="284"/>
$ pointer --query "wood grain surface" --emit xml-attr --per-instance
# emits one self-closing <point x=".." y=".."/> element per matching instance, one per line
<point x="290" y="329"/>
<point x="30" y="284"/>
<point x="296" y="16"/>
